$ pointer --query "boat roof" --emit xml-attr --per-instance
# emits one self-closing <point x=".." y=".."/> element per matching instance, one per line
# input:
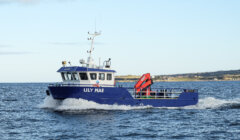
<point x="76" y="68"/>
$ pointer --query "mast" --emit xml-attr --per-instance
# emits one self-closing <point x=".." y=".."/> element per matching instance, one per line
<point x="90" y="60"/>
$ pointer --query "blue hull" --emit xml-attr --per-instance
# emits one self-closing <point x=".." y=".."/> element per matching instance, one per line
<point x="119" y="95"/>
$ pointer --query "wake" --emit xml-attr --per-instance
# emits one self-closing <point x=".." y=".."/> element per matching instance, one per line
<point x="213" y="103"/>
<point x="80" y="104"/>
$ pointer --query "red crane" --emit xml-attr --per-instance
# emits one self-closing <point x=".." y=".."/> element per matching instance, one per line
<point x="144" y="84"/>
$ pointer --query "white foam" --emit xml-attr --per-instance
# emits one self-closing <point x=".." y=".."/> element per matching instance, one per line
<point x="213" y="103"/>
<point x="50" y="103"/>
<point x="81" y="104"/>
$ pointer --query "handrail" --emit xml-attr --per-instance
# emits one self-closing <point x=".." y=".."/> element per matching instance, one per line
<point x="167" y="89"/>
<point x="156" y="95"/>
<point x="159" y="93"/>
<point x="72" y="84"/>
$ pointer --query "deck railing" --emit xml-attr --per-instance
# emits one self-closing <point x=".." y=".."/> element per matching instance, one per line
<point x="77" y="85"/>
<point x="159" y="93"/>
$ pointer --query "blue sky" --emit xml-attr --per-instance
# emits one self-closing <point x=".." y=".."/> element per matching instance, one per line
<point x="156" y="36"/>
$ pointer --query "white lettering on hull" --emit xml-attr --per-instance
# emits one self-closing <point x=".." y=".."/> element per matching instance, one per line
<point x="96" y="90"/>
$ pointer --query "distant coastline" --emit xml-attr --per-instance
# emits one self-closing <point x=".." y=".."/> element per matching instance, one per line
<point x="231" y="75"/>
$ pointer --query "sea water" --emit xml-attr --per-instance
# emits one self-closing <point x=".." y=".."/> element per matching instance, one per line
<point x="27" y="113"/>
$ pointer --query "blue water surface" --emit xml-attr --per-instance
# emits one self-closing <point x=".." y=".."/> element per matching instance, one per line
<point x="26" y="113"/>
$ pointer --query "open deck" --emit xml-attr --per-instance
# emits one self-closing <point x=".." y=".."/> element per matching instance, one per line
<point x="160" y="93"/>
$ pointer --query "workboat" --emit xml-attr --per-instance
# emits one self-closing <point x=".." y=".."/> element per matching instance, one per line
<point x="97" y="83"/>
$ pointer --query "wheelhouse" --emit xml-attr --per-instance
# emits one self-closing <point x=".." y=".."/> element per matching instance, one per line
<point x="87" y="76"/>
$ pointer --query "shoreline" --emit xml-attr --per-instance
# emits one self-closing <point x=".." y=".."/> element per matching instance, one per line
<point x="122" y="81"/>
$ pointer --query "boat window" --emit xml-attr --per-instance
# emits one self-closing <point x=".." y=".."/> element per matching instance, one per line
<point x="93" y="76"/>
<point x="63" y="76"/>
<point x="109" y="76"/>
<point x="75" y="76"/>
<point x="69" y="76"/>
<point x="83" y="76"/>
<point x="101" y="76"/>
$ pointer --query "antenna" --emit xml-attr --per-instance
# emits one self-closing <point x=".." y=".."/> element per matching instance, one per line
<point x="92" y="40"/>
<point x="90" y="60"/>
<point x="93" y="35"/>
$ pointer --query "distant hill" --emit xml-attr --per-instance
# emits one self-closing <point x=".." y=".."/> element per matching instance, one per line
<point x="204" y="76"/>
<point x="217" y="73"/>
